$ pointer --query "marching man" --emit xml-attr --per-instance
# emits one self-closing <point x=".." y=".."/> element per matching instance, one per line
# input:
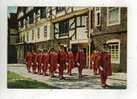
<point x="93" y="60"/>
<point x="62" y="61"/>
<point x="105" y="66"/>
<point x="80" y="61"/>
<point x="70" y="61"/>
<point x="45" y="62"/>
<point x="29" y="62"/>
<point x="39" y="61"/>
<point x="53" y="60"/>
<point x="34" y="60"/>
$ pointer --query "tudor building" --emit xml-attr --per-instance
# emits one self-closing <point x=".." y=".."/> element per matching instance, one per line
<point x="45" y="27"/>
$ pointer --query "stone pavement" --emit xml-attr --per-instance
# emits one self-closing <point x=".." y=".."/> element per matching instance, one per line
<point x="89" y="81"/>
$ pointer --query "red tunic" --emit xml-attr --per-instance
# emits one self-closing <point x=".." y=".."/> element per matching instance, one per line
<point x="45" y="59"/>
<point x="62" y="56"/>
<point x="81" y="57"/>
<point x="29" y="57"/>
<point x="70" y="58"/>
<point x="93" y="59"/>
<point x="53" y="58"/>
<point x="39" y="58"/>
<point x="34" y="58"/>
<point x="105" y="63"/>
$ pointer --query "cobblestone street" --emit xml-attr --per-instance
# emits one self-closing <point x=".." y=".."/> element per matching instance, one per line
<point x="89" y="81"/>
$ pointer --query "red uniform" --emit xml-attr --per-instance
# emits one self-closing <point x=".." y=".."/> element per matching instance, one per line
<point x="70" y="61"/>
<point x="62" y="62"/>
<point x="39" y="61"/>
<point x="34" y="60"/>
<point x="53" y="60"/>
<point x="81" y="61"/>
<point x="104" y="67"/>
<point x="56" y="61"/>
<point x="29" y="61"/>
<point x="93" y="62"/>
<point x="45" y="62"/>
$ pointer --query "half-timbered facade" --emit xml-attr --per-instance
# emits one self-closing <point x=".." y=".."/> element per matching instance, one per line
<point x="45" y="27"/>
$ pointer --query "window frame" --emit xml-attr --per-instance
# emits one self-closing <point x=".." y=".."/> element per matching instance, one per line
<point x="45" y="32"/>
<point x="115" y="41"/>
<point x="81" y="22"/>
<point x="59" y="10"/>
<point x="66" y="32"/>
<point x="119" y="16"/>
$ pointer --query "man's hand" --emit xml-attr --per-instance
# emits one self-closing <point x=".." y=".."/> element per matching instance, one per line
<point x="58" y="65"/>
<point x="67" y="63"/>
<point x="101" y="68"/>
<point x="92" y="63"/>
<point x="78" y="64"/>
<point x="48" y="65"/>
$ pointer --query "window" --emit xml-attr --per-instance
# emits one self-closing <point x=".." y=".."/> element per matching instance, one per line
<point x="113" y="16"/>
<point x="34" y="17"/>
<point x="32" y="34"/>
<point x="38" y="15"/>
<point x="45" y="31"/>
<point x="59" y="9"/>
<point x="63" y="28"/>
<point x="43" y="12"/>
<point x="81" y="21"/>
<point x="97" y="16"/>
<point x="27" y="20"/>
<point x="114" y="48"/>
<point x="38" y="33"/>
<point x="78" y="21"/>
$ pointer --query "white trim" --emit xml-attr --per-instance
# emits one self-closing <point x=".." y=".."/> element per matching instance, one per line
<point x="96" y="12"/>
<point x="119" y="17"/>
<point x="78" y="41"/>
<point x="118" y="41"/>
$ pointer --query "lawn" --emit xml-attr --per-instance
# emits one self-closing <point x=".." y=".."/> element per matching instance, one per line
<point x="20" y="82"/>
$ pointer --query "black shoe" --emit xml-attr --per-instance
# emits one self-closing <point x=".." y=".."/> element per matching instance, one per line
<point x="62" y="78"/>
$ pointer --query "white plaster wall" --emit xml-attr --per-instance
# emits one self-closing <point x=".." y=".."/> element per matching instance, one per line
<point x="81" y="33"/>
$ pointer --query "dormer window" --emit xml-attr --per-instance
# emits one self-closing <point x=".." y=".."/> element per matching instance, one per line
<point x="59" y="9"/>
